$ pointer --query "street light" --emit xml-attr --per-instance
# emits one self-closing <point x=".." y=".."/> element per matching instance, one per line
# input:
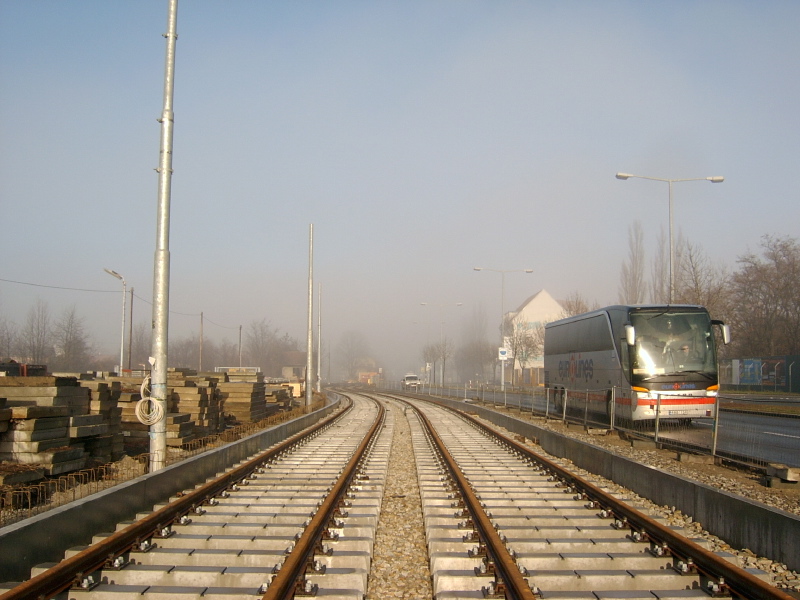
<point x="122" y="340"/>
<point x="503" y="313"/>
<point x="715" y="179"/>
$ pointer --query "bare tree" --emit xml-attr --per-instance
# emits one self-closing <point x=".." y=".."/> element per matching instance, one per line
<point x="72" y="343"/>
<point x="476" y="355"/>
<point x="8" y="339"/>
<point x="140" y="346"/>
<point x="445" y="350"/>
<point x="575" y="304"/>
<point x="430" y="354"/>
<point x="184" y="352"/>
<point x="354" y="354"/>
<point x="36" y="342"/>
<point x="659" y="271"/>
<point x="526" y="343"/>
<point x="764" y="288"/>
<point x="700" y="282"/>
<point x="632" y="287"/>
<point x="226" y="355"/>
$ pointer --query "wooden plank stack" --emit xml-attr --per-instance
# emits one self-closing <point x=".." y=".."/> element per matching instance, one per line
<point x="104" y="401"/>
<point x="40" y="435"/>
<point x="243" y="401"/>
<point x="199" y="399"/>
<point x="60" y="412"/>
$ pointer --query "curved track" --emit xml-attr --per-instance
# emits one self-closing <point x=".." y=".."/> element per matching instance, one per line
<point x="567" y="536"/>
<point x="300" y="518"/>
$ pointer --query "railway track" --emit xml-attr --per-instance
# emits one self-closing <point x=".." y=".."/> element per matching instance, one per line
<point x="300" y="519"/>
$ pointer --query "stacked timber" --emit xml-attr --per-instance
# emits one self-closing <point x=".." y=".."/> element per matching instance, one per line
<point x="46" y="390"/>
<point x="279" y="396"/>
<point x="243" y="402"/>
<point x="5" y="415"/>
<point x="104" y="400"/>
<point x="180" y="429"/>
<point x="179" y="424"/>
<point x="93" y="419"/>
<point x="199" y="398"/>
<point x="40" y="436"/>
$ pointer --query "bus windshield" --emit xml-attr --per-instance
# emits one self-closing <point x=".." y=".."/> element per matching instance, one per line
<point x="672" y="343"/>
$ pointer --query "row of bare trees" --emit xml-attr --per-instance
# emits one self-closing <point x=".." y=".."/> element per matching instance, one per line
<point x="759" y="298"/>
<point x="63" y="344"/>
<point x="43" y="339"/>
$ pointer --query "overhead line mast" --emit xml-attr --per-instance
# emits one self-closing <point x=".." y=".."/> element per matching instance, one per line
<point x="158" y="359"/>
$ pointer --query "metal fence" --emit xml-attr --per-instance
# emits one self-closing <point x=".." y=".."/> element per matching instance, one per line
<point x="750" y="430"/>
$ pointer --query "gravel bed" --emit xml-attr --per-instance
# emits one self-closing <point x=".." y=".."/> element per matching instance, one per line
<point x="400" y="567"/>
<point x="734" y="481"/>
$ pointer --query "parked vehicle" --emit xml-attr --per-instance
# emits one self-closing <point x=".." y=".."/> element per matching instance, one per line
<point x="636" y="359"/>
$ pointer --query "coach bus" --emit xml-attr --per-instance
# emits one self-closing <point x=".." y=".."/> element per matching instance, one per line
<point x="633" y="361"/>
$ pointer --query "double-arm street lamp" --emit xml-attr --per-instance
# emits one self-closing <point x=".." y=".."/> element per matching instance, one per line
<point x="124" y="293"/>
<point x="503" y="313"/>
<point x="716" y="179"/>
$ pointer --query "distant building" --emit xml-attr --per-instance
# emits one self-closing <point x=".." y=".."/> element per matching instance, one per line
<point x="531" y="317"/>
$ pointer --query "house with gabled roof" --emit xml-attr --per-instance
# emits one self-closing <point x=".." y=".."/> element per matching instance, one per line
<point x="530" y="318"/>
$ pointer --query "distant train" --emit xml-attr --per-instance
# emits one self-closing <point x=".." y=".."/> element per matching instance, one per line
<point x="631" y="360"/>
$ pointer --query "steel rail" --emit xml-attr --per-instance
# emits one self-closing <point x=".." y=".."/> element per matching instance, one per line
<point x="291" y="574"/>
<point x="112" y="552"/>
<point x="516" y="587"/>
<point x="737" y="581"/>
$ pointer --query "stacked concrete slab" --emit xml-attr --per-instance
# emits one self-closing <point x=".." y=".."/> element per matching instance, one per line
<point x="5" y="415"/>
<point x="104" y="401"/>
<point x="93" y="417"/>
<point x="198" y="397"/>
<point x="180" y="427"/>
<point x="243" y="401"/>
<point x="40" y="435"/>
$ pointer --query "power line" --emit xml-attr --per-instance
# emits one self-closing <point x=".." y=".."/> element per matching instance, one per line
<point x="58" y="287"/>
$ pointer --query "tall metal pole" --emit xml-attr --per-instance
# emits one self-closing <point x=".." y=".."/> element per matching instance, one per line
<point x="502" y="328"/>
<point x="122" y="336"/>
<point x="200" y="361"/>
<point x="158" y="378"/>
<point x="130" y="334"/>
<point x="319" y="339"/>
<point x="310" y="331"/>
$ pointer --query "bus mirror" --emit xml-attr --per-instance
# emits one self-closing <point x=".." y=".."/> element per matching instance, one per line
<point x="726" y="331"/>
<point x="630" y="335"/>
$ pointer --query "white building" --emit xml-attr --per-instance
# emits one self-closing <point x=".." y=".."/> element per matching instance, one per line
<point x="531" y="317"/>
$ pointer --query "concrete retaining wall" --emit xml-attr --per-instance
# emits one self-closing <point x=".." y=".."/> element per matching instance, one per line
<point x="742" y="523"/>
<point x="45" y="537"/>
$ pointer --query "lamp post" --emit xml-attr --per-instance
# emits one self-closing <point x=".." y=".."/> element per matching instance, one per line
<point x="503" y="313"/>
<point x="124" y="293"/>
<point x="715" y="179"/>
<point x="441" y="331"/>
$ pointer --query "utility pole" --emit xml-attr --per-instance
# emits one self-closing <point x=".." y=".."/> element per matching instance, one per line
<point x="310" y="338"/>
<point x="158" y="359"/>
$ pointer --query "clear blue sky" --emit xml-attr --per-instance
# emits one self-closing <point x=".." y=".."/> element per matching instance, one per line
<point x="422" y="138"/>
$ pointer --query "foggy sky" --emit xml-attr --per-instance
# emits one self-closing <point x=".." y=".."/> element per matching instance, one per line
<point x="421" y="138"/>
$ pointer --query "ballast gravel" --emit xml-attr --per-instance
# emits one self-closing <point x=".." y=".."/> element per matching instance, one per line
<point x="734" y="481"/>
<point x="400" y="566"/>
